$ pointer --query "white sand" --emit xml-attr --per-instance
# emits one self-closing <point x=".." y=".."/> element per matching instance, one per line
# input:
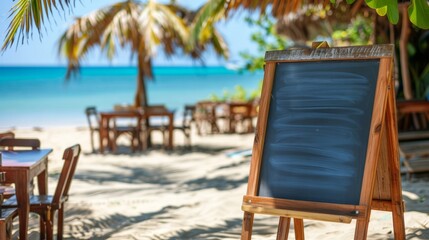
<point x="184" y="194"/>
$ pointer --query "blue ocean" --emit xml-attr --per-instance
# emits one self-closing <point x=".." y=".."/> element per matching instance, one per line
<point x="40" y="96"/>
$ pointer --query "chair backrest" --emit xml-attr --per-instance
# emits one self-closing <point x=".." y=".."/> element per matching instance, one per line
<point x="205" y="109"/>
<point x="11" y="143"/>
<point x="70" y="157"/>
<point x="188" y="115"/>
<point x="242" y="109"/>
<point x="92" y="117"/>
<point x="412" y="115"/>
<point x="7" y="135"/>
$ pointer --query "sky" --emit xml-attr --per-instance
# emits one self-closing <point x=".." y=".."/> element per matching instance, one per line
<point x="42" y="50"/>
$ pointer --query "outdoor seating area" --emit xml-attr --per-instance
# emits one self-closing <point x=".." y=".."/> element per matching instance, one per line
<point x="23" y="161"/>
<point x="413" y="136"/>
<point x="225" y="117"/>
<point x="140" y="124"/>
<point x="135" y="123"/>
<point x="170" y="194"/>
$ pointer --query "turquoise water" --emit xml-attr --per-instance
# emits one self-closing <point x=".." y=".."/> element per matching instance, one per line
<point x="39" y="96"/>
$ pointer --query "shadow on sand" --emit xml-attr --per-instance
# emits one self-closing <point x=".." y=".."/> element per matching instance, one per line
<point x="177" y="150"/>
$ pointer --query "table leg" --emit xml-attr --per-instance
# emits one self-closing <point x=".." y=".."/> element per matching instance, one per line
<point x="22" y="196"/>
<point x="104" y="133"/>
<point x="42" y="181"/>
<point x="101" y="134"/>
<point x="42" y="185"/>
<point x="110" y="141"/>
<point x="170" y="131"/>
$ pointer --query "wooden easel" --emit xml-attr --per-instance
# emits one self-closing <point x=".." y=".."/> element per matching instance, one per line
<point x="381" y="185"/>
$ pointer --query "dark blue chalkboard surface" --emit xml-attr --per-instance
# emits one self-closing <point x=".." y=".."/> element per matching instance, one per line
<point x="317" y="130"/>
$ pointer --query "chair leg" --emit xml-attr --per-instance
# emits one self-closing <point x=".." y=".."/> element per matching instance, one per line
<point x="164" y="138"/>
<point x="136" y="141"/>
<point x="198" y="124"/>
<point x="113" y="145"/>
<point x="60" y="230"/>
<point x="42" y="226"/>
<point x="3" y="230"/>
<point x="92" y="141"/>
<point x="49" y="225"/>
<point x="188" y="137"/>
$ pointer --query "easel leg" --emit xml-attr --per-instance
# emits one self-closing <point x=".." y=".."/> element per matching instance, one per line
<point x="283" y="228"/>
<point x="398" y="221"/>
<point x="298" y="225"/>
<point x="361" y="229"/>
<point x="246" y="231"/>
<point x="395" y="169"/>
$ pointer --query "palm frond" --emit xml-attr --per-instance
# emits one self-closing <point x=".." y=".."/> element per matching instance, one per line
<point x="209" y="13"/>
<point x="28" y="13"/>
<point x="278" y="7"/>
<point x="203" y="31"/>
<point x="219" y="44"/>
<point x="159" y="25"/>
<point x="83" y="35"/>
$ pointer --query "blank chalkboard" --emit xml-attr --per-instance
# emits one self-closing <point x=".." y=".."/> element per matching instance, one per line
<point x="317" y="130"/>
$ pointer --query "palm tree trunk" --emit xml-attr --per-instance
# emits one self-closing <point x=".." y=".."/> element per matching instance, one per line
<point x="141" y="94"/>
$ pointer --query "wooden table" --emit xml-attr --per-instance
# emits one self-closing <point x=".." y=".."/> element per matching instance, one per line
<point x="21" y="167"/>
<point x="161" y="111"/>
<point x="145" y="113"/>
<point x="105" y="118"/>
<point x="413" y="115"/>
<point x="240" y="112"/>
<point x="205" y="114"/>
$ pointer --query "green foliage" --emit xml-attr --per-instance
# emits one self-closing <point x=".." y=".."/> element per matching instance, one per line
<point x="385" y="7"/>
<point x="418" y="50"/>
<point x="239" y="94"/>
<point x="418" y="10"/>
<point x="226" y="96"/>
<point x="266" y="38"/>
<point x="358" y="32"/>
<point x="214" y="98"/>
<point x="419" y="13"/>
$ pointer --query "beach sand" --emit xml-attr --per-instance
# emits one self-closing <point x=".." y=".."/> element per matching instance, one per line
<point x="183" y="194"/>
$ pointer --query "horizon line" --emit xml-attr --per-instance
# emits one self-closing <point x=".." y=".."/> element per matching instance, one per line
<point x="31" y="65"/>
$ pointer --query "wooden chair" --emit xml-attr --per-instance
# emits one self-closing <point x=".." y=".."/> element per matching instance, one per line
<point x="241" y="113"/>
<point x="46" y="205"/>
<point x="148" y="127"/>
<point x="161" y="127"/>
<point x="93" y="122"/>
<point x="6" y="216"/>
<point x="11" y="144"/>
<point x="6" y="135"/>
<point x="132" y="130"/>
<point x="205" y="117"/>
<point x="188" y="118"/>
<point x="6" y="222"/>
<point x="413" y="136"/>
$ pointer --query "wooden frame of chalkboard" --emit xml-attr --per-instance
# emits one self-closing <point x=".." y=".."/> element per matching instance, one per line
<point x="326" y="116"/>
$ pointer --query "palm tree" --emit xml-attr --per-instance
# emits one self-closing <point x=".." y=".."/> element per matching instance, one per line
<point x="141" y="26"/>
